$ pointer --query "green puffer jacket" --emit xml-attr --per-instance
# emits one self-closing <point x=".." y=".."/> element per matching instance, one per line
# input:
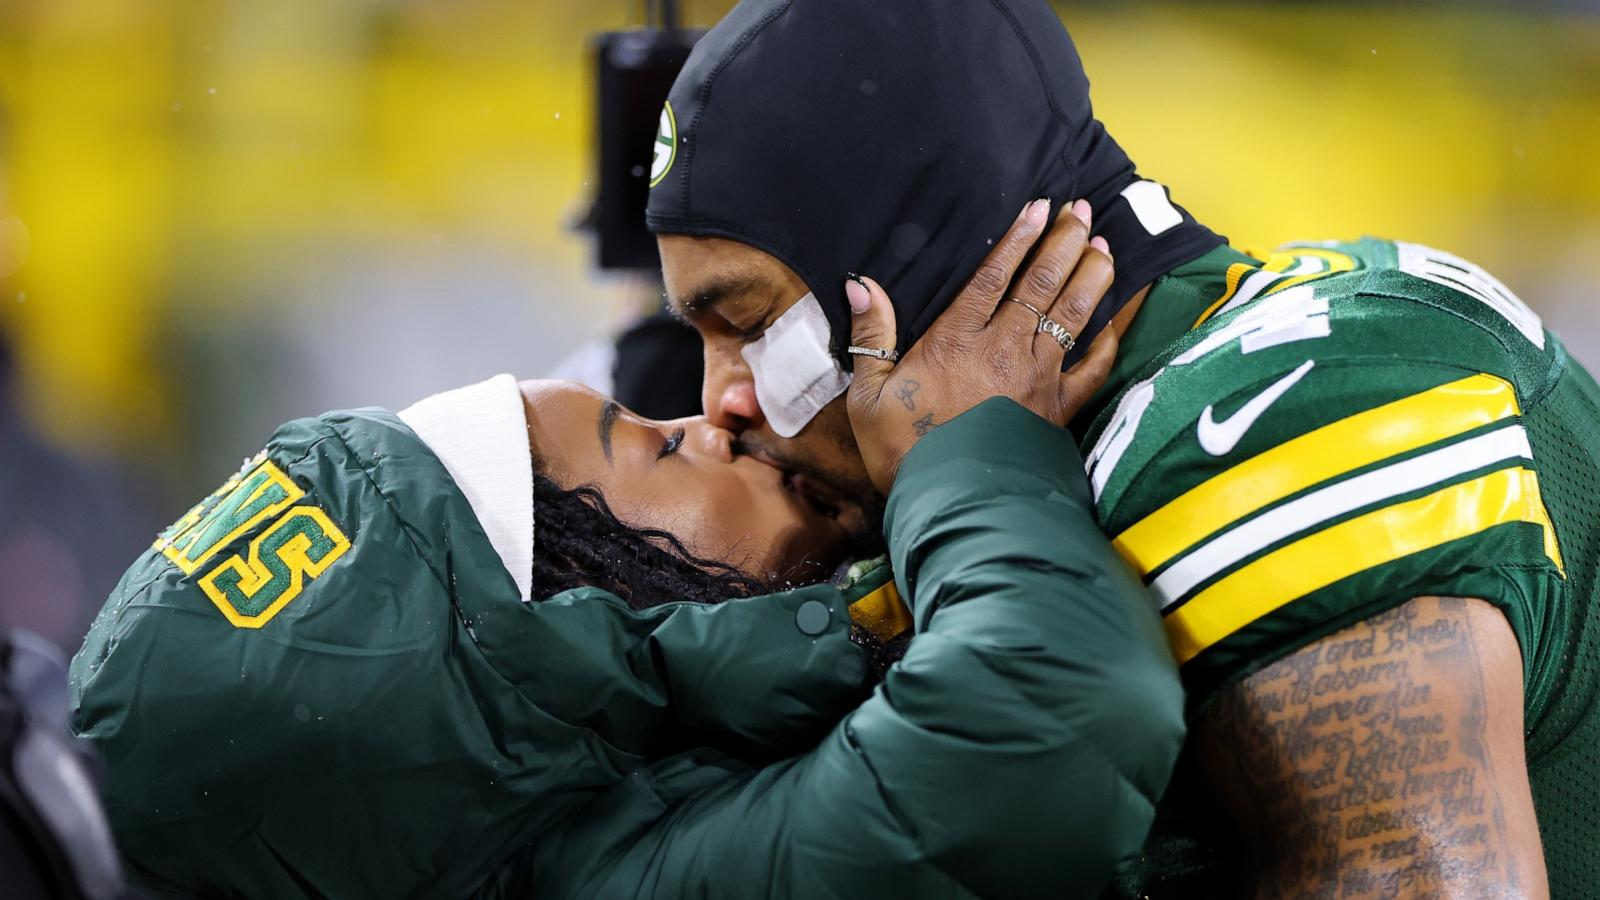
<point x="321" y="682"/>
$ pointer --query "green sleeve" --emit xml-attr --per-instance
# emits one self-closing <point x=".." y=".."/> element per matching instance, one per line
<point x="1311" y="461"/>
<point x="1017" y="749"/>
<point x="740" y="677"/>
<point x="398" y="723"/>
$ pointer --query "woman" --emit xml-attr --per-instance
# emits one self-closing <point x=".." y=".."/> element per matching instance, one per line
<point x="368" y="667"/>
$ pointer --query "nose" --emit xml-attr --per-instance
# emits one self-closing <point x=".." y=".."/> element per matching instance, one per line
<point x="728" y="394"/>
<point x="706" y="438"/>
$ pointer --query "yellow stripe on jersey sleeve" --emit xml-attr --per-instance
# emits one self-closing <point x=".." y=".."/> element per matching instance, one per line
<point x="882" y="613"/>
<point x="1236" y="272"/>
<point x="1552" y="547"/>
<point x="1353" y="546"/>
<point x="1332" y="262"/>
<point x="1290" y="263"/>
<point x="1332" y="450"/>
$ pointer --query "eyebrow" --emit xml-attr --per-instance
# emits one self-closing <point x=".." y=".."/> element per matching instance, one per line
<point x="606" y="423"/>
<point x="707" y="295"/>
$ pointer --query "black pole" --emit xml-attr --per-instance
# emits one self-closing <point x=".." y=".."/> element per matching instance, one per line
<point x="669" y="13"/>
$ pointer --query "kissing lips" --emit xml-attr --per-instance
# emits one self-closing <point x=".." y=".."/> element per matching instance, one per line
<point x="816" y="492"/>
<point x="819" y="497"/>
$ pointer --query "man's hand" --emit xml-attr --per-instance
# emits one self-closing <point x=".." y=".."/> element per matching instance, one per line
<point x="984" y="346"/>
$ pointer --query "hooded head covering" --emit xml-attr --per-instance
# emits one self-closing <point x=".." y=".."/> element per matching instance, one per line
<point x="899" y="139"/>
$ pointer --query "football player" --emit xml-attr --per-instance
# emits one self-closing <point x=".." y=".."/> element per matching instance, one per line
<point x="1359" y="478"/>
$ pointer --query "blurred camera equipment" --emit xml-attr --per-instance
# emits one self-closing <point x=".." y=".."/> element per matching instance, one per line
<point x="634" y="71"/>
<point x="55" y="843"/>
<point x="653" y="366"/>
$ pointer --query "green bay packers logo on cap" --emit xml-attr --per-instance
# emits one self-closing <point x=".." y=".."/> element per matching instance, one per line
<point x="666" y="146"/>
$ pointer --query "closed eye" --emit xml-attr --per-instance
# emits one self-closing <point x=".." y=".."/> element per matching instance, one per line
<point x="746" y="334"/>
<point x="673" y="443"/>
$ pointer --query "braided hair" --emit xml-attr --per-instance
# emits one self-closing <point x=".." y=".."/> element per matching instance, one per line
<point x="581" y="543"/>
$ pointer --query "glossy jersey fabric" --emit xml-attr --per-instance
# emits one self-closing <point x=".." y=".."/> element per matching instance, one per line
<point x="403" y="726"/>
<point x="1301" y="439"/>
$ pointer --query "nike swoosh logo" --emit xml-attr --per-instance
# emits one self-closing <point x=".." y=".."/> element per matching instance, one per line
<point x="1218" y="438"/>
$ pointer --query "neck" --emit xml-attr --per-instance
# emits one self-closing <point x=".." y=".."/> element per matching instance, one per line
<point x="1119" y="325"/>
<point x="1120" y="322"/>
<point x="1159" y="311"/>
<point x="1149" y="236"/>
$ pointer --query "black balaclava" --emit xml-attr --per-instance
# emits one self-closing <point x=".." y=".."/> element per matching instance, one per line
<point x="898" y="139"/>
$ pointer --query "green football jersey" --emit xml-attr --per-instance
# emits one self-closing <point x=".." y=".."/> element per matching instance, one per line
<point x="1294" y="445"/>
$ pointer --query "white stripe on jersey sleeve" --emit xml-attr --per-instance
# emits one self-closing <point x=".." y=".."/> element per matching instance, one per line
<point x="1335" y="500"/>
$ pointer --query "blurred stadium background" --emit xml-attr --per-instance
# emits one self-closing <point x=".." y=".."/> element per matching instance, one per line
<point x="215" y="216"/>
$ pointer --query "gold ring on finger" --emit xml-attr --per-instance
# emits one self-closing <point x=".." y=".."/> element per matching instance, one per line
<point x="1030" y="308"/>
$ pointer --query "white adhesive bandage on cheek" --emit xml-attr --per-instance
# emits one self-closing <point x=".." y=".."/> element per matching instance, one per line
<point x="795" y="374"/>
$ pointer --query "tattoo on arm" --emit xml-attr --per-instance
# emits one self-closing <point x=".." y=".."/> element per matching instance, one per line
<point x="924" y="425"/>
<point x="1366" y="764"/>
<point x="907" y="392"/>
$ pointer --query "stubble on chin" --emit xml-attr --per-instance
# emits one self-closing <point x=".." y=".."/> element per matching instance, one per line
<point x="833" y="458"/>
<point x="866" y="534"/>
